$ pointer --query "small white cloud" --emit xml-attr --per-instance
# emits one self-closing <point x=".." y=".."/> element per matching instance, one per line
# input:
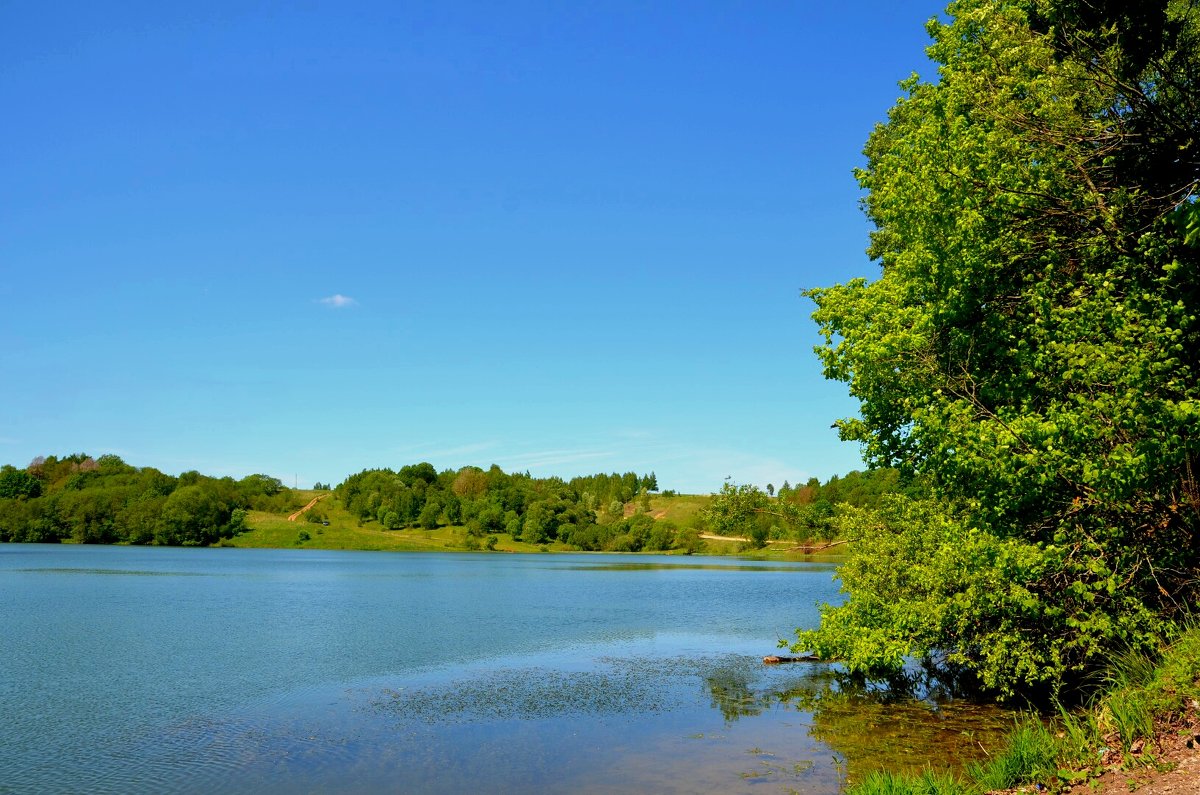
<point x="338" y="301"/>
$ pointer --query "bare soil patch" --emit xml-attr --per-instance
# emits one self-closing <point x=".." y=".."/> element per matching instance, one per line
<point x="1170" y="763"/>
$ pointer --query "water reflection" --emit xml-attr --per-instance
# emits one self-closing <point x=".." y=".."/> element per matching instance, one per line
<point x="738" y="565"/>
<point x="909" y="723"/>
<point x="906" y="724"/>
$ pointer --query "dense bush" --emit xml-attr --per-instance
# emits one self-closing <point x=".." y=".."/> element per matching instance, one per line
<point x="1031" y="346"/>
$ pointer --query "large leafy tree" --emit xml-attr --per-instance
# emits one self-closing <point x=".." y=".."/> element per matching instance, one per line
<point x="1031" y="344"/>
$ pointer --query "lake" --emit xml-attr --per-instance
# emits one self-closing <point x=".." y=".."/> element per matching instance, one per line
<point x="139" y="670"/>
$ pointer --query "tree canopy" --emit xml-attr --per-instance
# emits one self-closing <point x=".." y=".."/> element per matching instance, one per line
<point x="1030" y="346"/>
<point x="105" y="500"/>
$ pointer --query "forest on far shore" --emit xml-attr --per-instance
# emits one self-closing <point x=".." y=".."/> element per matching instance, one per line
<point x="104" y="500"/>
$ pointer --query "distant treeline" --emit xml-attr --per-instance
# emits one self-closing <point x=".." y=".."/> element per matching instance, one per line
<point x="106" y="501"/>
<point x="587" y="512"/>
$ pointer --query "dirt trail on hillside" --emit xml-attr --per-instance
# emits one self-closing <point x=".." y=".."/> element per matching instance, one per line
<point x="300" y="512"/>
<point x="715" y="537"/>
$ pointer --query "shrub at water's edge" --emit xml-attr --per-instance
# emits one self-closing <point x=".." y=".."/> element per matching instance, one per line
<point x="1030" y="348"/>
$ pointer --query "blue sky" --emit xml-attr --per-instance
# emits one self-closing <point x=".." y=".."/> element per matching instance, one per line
<point x="306" y="239"/>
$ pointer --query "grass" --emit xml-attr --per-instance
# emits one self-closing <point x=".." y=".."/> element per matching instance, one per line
<point x="682" y="509"/>
<point x="928" y="782"/>
<point x="1030" y="754"/>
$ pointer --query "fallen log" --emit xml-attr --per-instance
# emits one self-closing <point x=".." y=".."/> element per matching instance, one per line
<point x="775" y="659"/>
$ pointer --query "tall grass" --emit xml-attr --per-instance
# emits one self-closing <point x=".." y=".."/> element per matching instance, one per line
<point x="928" y="782"/>
<point x="1031" y="754"/>
<point x="1080" y="739"/>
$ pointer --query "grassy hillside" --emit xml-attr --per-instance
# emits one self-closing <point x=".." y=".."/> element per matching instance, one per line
<point x="682" y="509"/>
<point x="344" y="532"/>
<point x="272" y="530"/>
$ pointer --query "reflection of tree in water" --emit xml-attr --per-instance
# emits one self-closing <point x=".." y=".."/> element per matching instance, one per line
<point x="733" y="693"/>
<point x="907" y="723"/>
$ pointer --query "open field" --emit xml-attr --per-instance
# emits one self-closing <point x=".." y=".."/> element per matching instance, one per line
<point x="344" y="532"/>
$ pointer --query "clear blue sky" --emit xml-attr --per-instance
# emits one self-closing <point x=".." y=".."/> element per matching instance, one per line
<point x="310" y="238"/>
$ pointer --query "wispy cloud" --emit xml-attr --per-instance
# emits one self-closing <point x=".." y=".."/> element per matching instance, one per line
<point x="434" y="452"/>
<point x="338" y="301"/>
<point x="546" y="458"/>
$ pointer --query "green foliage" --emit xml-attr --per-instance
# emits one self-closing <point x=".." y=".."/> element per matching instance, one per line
<point x="18" y="484"/>
<point x="744" y="510"/>
<point x="603" y="489"/>
<point x="1031" y="346"/>
<point x="538" y="511"/>
<point x="802" y="513"/>
<point x="929" y="782"/>
<point x="689" y="541"/>
<point x="105" y="500"/>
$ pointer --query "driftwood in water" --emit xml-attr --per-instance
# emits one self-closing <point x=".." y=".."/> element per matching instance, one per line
<point x="775" y="659"/>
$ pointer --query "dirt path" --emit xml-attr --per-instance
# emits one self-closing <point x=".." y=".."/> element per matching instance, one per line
<point x="714" y="537"/>
<point x="300" y="512"/>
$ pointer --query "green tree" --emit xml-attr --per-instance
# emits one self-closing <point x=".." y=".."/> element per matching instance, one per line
<point x="747" y="511"/>
<point x="662" y="536"/>
<point x="1031" y="344"/>
<point x="18" y="484"/>
<point x="192" y="516"/>
<point x="688" y="539"/>
<point x="428" y="518"/>
<point x="540" y="524"/>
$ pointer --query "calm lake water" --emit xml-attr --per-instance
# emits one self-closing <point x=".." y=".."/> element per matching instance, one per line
<point x="139" y="670"/>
